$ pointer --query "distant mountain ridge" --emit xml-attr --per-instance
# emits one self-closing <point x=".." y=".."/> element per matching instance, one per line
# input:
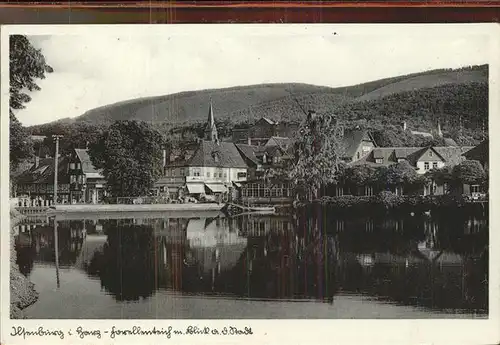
<point x="287" y="101"/>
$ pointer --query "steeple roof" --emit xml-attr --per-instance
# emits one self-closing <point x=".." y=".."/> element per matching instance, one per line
<point x="211" y="129"/>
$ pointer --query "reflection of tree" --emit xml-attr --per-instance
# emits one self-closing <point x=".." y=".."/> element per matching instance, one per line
<point x="126" y="265"/>
<point x="431" y="263"/>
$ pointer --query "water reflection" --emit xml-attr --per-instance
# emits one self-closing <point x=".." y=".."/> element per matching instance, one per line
<point x="439" y="263"/>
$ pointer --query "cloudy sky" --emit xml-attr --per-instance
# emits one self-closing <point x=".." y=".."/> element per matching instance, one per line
<point x="95" y="67"/>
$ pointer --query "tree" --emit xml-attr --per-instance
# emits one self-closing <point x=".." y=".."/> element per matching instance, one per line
<point x="26" y="65"/>
<point x="360" y="175"/>
<point x="21" y="146"/>
<point x="469" y="172"/>
<point x="317" y="154"/>
<point x="400" y="173"/>
<point x="130" y="155"/>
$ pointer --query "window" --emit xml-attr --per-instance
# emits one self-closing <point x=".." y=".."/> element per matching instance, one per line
<point x="80" y="179"/>
<point x="400" y="159"/>
<point x="434" y="165"/>
<point x="72" y="166"/>
<point x="474" y="189"/>
<point x="426" y="166"/>
<point x="182" y="171"/>
<point x="430" y="154"/>
<point x="208" y="173"/>
<point x="368" y="190"/>
<point x="72" y="179"/>
<point x="78" y="166"/>
<point x="220" y="173"/>
<point x="242" y="175"/>
<point x="196" y="172"/>
<point x="378" y="160"/>
<point x="358" y="155"/>
<point x="366" y="148"/>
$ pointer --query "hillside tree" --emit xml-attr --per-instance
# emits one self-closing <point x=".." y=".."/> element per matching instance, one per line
<point x="26" y="64"/>
<point x="130" y="156"/>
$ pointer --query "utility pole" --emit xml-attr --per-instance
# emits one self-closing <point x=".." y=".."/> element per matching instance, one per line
<point x="56" y="161"/>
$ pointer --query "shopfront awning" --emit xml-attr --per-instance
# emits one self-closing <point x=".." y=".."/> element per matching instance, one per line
<point x="217" y="188"/>
<point x="237" y="184"/>
<point x="196" y="188"/>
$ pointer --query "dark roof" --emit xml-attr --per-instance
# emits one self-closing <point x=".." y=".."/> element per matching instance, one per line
<point x="44" y="173"/>
<point x="87" y="166"/>
<point x="479" y="152"/>
<point x="249" y="152"/>
<point x="390" y="155"/>
<point x="217" y="154"/>
<point x="352" y="139"/>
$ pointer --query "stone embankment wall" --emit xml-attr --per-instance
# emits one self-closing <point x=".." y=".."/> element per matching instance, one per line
<point x="22" y="291"/>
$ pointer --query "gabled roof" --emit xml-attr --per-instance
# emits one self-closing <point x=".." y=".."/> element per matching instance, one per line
<point x="479" y="152"/>
<point x="249" y="152"/>
<point x="283" y="142"/>
<point x="87" y="166"/>
<point x="452" y="155"/>
<point x="44" y="172"/>
<point x="352" y="139"/>
<point x="265" y="119"/>
<point x="217" y="154"/>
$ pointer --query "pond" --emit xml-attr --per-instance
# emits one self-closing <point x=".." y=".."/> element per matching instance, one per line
<point x="256" y="266"/>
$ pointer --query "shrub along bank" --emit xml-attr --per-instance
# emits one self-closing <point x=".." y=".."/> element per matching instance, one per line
<point x="389" y="202"/>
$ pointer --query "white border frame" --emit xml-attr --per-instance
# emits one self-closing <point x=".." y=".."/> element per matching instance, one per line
<point x="270" y="331"/>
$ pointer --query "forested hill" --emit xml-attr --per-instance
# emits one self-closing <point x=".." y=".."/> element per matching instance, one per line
<point x="452" y="97"/>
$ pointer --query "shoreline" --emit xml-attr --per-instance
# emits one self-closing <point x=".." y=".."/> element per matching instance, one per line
<point x="22" y="290"/>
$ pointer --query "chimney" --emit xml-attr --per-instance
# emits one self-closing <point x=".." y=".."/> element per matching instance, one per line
<point x="37" y="161"/>
<point x="165" y="158"/>
<point x="404" y="126"/>
<point x="439" y="132"/>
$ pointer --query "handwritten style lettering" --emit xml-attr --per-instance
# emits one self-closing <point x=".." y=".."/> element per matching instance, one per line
<point x="40" y="332"/>
<point x="84" y="333"/>
<point x="136" y="330"/>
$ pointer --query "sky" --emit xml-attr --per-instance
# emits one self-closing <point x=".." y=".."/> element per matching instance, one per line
<point x="93" y="68"/>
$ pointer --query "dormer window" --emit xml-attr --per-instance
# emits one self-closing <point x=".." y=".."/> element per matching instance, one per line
<point x="378" y="160"/>
<point x="216" y="156"/>
<point x="430" y="153"/>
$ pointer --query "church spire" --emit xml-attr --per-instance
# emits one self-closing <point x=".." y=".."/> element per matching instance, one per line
<point x="211" y="129"/>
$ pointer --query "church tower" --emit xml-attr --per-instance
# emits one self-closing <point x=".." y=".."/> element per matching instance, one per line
<point x="211" y="129"/>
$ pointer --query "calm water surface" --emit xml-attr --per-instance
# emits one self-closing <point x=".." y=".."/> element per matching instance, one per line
<point x="215" y="266"/>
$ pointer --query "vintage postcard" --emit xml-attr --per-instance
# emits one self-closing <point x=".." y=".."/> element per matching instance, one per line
<point x="249" y="184"/>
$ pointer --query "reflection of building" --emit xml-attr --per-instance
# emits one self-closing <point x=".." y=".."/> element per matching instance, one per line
<point x="212" y="169"/>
